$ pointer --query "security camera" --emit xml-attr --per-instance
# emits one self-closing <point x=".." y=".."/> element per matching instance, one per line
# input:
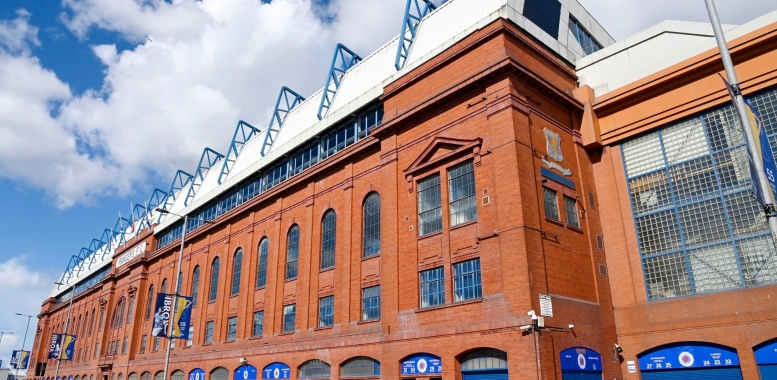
<point x="618" y="348"/>
<point x="526" y="327"/>
<point x="533" y="315"/>
<point x="571" y="327"/>
<point x="243" y="360"/>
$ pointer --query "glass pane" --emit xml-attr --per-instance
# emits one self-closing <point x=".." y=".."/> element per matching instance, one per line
<point x="666" y="276"/>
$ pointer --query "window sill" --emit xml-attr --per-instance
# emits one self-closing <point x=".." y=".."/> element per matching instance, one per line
<point x="287" y="333"/>
<point x="289" y="280"/>
<point x="576" y="229"/>
<point x="554" y="221"/>
<point x="326" y="270"/>
<point x="229" y="341"/>
<point x="462" y="225"/>
<point x="323" y="328"/>
<point x="207" y="344"/>
<point x="460" y="303"/>
<point x="255" y="337"/>
<point x="435" y="233"/>
<point x="367" y="321"/>
<point x="371" y="257"/>
<point x="235" y="295"/>
<point x="210" y="302"/>
<point x="260" y="287"/>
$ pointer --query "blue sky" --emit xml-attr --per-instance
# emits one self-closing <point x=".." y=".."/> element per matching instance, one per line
<point x="110" y="97"/>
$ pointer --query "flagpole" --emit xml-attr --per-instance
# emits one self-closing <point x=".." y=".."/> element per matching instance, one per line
<point x="175" y="299"/>
<point x="739" y="101"/>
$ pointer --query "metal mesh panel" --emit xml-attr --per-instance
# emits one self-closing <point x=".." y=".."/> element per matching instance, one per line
<point x="759" y="260"/>
<point x="360" y="366"/>
<point x="666" y="276"/>
<point x="704" y="222"/>
<point x="484" y="358"/>
<point x="643" y="154"/>
<point x="658" y="233"/>
<point x="650" y="192"/>
<point x="314" y="369"/>
<point x="698" y="225"/>
<point x="714" y="267"/>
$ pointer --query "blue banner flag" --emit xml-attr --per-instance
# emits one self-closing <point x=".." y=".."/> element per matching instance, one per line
<point x="20" y="359"/>
<point x="62" y="346"/>
<point x="764" y="150"/>
<point x="172" y="309"/>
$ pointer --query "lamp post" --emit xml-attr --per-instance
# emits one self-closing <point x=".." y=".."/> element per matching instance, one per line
<point x="177" y="280"/>
<point x="739" y="102"/>
<point x="23" y="341"/>
<point x="67" y="323"/>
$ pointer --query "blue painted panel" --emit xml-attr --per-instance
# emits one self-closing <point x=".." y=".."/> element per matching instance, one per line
<point x="724" y="373"/>
<point x="421" y="364"/>
<point x="276" y="371"/>
<point x="678" y="356"/>
<point x="766" y="353"/>
<point x="581" y="359"/>
<point x="547" y="173"/>
<point x="485" y="375"/>
<point x="580" y="375"/>
<point x="197" y="374"/>
<point x="768" y="371"/>
<point x="245" y="372"/>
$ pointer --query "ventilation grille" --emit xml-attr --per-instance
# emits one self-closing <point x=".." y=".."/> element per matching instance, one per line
<point x="600" y="242"/>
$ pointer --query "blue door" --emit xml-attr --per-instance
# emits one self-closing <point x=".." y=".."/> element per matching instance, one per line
<point x="690" y="361"/>
<point x="766" y="358"/>
<point x="580" y="375"/>
<point x="768" y="371"/>
<point x="729" y="373"/>
<point x="485" y="375"/>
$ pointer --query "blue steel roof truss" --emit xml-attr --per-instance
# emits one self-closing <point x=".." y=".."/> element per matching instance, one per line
<point x="120" y="229"/>
<point x="287" y="100"/>
<point x="343" y="60"/>
<point x="414" y="12"/>
<point x="243" y="133"/>
<point x="140" y="213"/>
<point x="180" y="181"/>
<point x="209" y="158"/>
<point x="106" y="239"/>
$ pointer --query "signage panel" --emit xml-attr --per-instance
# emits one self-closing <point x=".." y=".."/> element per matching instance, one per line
<point x="245" y="372"/>
<point x="276" y="371"/>
<point x="688" y="355"/>
<point x="421" y="364"/>
<point x="172" y="309"/>
<point x="20" y="359"/>
<point x="197" y="374"/>
<point x="766" y="353"/>
<point x="131" y="254"/>
<point x="581" y="359"/>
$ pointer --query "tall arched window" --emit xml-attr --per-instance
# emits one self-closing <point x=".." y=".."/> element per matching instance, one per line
<point x="328" y="239"/>
<point x="219" y="373"/>
<point x="214" y="280"/>
<point x="163" y="289"/>
<point x="130" y="308"/>
<point x="145" y="376"/>
<point x="118" y="316"/>
<point x="195" y="285"/>
<point x="237" y="265"/>
<point x="360" y="366"/>
<point x="149" y="301"/>
<point x="292" y="252"/>
<point x="91" y="321"/>
<point x="314" y="369"/>
<point x="178" y="284"/>
<point x="371" y="229"/>
<point x="78" y="325"/>
<point x="86" y="322"/>
<point x="261" y="269"/>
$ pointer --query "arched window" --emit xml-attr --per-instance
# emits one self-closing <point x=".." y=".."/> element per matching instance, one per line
<point x="219" y="373"/>
<point x="120" y="377"/>
<point x="91" y="322"/>
<point x="144" y="376"/>
<point x="102" y="319"/>
<point x="214" y="280"/>
<point x="195" y="285"/>
<point x="86" y="322"/>
<point x="292" y="252"/>
<point x="237" y="265"/>
<point x="159" y="375"/>
<point x="328" y="239"/>
<point x="314" y="369"/>
<point x="163" y="289"/>
<point x="261" y="269"/>
<point x="118" y="316"/>
<point x="132" y="376"/>
<point x="178" y="284"/>
<point x="360" y="366"/>
<point x="78" y="325"/>
<point x="130" y="308"/>
<point x="484" y="359"/>
<point x="177" y="375"/>
<point x="371" y="229"/>
<point x="149" y="301"/>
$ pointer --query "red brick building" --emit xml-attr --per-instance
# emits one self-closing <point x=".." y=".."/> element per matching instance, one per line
<point x="404" y="221"/>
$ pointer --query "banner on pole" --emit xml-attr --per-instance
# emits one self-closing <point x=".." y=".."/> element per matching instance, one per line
<point x="20" y="359"/>
<point x="62" y="346"/>
<point x="764" y="150"/>
<point x="172" y="309"/>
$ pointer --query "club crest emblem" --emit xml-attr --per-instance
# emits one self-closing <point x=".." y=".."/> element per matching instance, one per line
<point x="686" y="359"/>
<point x="581" y="361"/>
<point x="422" y="366"/>
<point x="554" y="145"/>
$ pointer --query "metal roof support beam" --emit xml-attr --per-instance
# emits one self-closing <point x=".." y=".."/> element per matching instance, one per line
<point x="414" y="12"/>
<point x="343" y="60"/>
<point x="120" y="229"/>
<point x="180" y="181"/>
<point x="287" y="100"/>
<point x="243" y="133"/>
<point x="140" y="213"/>
<point x="157" y="198"/>
<point x="209" y="158"/>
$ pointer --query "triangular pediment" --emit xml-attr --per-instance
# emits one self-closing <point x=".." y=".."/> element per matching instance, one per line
<point x="442" y="149"/>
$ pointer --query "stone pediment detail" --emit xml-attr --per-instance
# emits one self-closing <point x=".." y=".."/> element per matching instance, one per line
<point x="440" y="151"/>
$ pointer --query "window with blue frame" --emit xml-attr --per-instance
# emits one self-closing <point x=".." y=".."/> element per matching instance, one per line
<point x="261" y="269"/>
<point x="544" y="13"/>
<point x="371" y="303"/>
<point x="699" y="228"/>
<point x="326" y="311"/>
<point x="467" y="283"/>
<point x="432" y="287"/>
<point x="586" y="40"/>
<point x="328" y="239"/>
<point x="336" y="139"/>
<point x="237" y="265"/>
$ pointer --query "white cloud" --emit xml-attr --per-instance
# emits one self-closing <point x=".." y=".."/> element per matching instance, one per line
<point x="16" y="35"/>
<point x="23" y="291"/>
<point x="198" y="69"/>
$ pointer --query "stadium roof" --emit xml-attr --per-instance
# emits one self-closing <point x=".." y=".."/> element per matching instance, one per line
<point x="352" y="83"/>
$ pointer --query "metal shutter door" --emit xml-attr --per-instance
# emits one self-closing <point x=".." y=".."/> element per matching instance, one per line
<point x="768" y="371"/>
<point x="578" y="375"/>
<point x="485" y="375"/>
<point x="732" y="373"/>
